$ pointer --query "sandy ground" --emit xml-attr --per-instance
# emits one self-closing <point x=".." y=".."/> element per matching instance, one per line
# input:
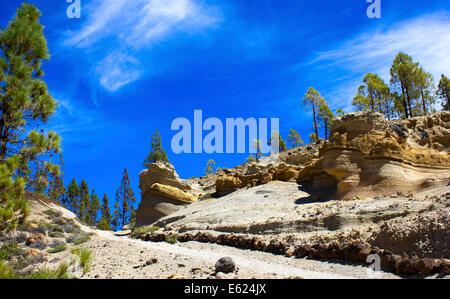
<point x="121" y="257"/>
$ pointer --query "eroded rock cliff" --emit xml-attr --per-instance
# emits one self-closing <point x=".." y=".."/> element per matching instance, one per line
<point x="162" y="193"/>
<point x="368" y="155"/>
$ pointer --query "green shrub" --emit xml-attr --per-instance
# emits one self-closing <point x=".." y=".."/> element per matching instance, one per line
<point x="5" y="271"/>
<point x="52" y="213"/>
<point x="60" y="273"/>
<point x="172" y="239"/>
<point x="56" y="234"/>
<point x="4" y="254"/>
<point x="57" y="249"/>
<point x="144" y="230"/>
<point x="21" y="263"/>
<point x="12" y="248"/>
<point x="85" y="256"/>
<point x="206" y="196"/>
<point x="80" y="240"/>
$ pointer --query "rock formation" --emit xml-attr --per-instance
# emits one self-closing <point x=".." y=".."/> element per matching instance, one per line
<point x="368" y="155"/>
<point x="162" y="193"/>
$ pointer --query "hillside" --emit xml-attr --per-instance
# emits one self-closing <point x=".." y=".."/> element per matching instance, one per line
<point x="383" y="185"/>
<point x="377" y="187"/>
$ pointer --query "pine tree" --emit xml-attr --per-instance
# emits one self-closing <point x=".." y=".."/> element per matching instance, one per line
<point x="84" y="202"/>
<point x="257" y="146"/>
<point x="157" y="153"/>
<point x="325" y="116"/>
<point x="443" y="92"/>
<point x="339" y="112"/>
<point x="24" y="99"/>
<point x="312" y="138"/>
<point x="105" y="220"/>
<point x="24" y="104"/>
<point x="13" y="209"/>
<point x="371" y="95"/>
<point x="312" y="101"/>
<point x="125" y="196"/>
<point x="117" y="215"/>
<point x="281" y="144"/>
<point x="210" y="165"/>
<point x="57" y="191"/>
<point x="94" y="208"/>
<point x="425" y="85"/>
<point x="251" y="158"/>
<point x="403" y="75"/>
<point x="73" y="197"/>
<point x="294" y="138"/>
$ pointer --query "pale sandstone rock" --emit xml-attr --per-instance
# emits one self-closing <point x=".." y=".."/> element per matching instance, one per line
<point x="369" y="155"/>
<point x="162" y="193"/>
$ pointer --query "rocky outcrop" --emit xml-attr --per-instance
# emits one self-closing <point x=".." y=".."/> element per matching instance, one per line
<point x="255" y="174"/>
<point x="368" y="155"/>
<point x="162" y="193"/>
<point x="161" y="173"/>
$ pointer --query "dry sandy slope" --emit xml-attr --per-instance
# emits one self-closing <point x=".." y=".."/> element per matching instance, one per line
<point x="123" y="257"/>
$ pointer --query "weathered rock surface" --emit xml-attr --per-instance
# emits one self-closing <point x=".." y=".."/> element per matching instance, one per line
<point x="369" y="155"/>
<point x="162" y="193"/>
<point x="255" y="174"/>
<point x="225" y="265"/>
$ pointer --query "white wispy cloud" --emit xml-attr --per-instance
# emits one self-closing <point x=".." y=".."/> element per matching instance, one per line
<point x="122" y="31"/>
<point x="425" y="38"/>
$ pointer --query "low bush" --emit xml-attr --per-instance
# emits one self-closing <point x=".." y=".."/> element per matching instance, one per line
<point x="172" y="239"/>
<point x="85" y="256"/>
<point x="53" y="213"/>
<point x="58" y="248"/>
<point x="7" y="272"/>
<point x="80" y="239"/>
<point x="144" y="230"/>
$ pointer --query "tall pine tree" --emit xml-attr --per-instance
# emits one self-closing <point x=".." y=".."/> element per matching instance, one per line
<point x="56" y="190"/>
<point x="73" y="197"/>
<point x="125" y="196"/>
<point x="157" y="153"/>
<point x="24" y="105"/>
<point x="94" y="207"/>
<point x="117" y="215"/>
<point x="105" y="220"/>
<point x="312" y="101"/>
<point x="403" y="76"/>
<point x="443" y="92"/>
<point x="294" y="138"/>
<point x="85" y="201"/>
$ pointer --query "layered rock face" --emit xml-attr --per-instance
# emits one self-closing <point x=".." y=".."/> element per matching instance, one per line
<point x="162" y="193"/>
<point x="287" y="169"/>
<point x="255" y="174"/>
<point x="368" y="155"/>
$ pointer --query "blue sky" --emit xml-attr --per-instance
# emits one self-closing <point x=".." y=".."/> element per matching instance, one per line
<point x="127" y="68"/>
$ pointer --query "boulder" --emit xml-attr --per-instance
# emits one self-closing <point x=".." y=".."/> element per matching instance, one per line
<point x="162" y="193"/>
<point x="227" y="184"/>
<point x="225" y="265"/>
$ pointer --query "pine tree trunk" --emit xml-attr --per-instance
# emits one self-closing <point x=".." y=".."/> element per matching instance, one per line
<point x="315" y="122"/>
<point x="423" y="103"/>
<point x="404" y="99"/>
<point x="408" y="100"/>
